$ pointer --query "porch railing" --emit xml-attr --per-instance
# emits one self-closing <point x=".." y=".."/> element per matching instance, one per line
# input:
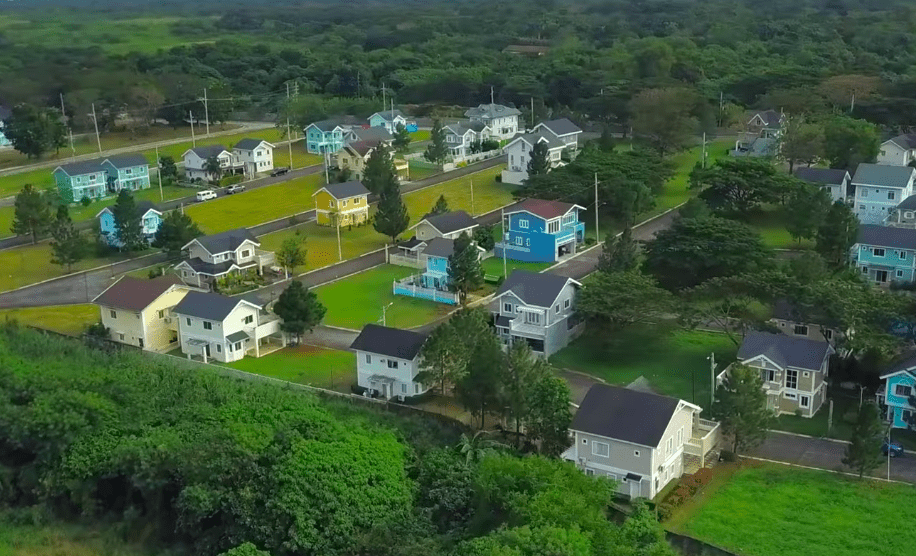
<point x="431" y="294"/>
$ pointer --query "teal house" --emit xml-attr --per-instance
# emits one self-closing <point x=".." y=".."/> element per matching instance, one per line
<point x="433" y="284"/>
<point x="150" y="220"/>
<point x="896" y="396"/>
<point x="326" y="136"/>
<point x="127" y="171"/>
<point x="389" y="119"/>
<point x="96" y="179"/>
<point x="884" y="254"/>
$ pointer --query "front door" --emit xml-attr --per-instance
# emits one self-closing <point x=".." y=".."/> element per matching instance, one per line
<point x="634" y="489"/>
<point x="881" y="276"/>
<point x="207" y="350"/>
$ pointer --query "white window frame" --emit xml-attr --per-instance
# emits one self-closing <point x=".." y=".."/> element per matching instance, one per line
<point x="788" y="376"/>
<point x="908" y="390"/>
<point x="114" y="314"/>
<point x="804" y="401"/>
<point x="596" y="445"/>
<point x="636" y="453"/>
<point x="368" y="359"/>
<point x="507" y="307"/>
<point x="876" y="250"/>
<point x="392" y="364"/>
<point x="523" y="223"/>
<point x="797" y="327"/>
<point x="208" y="325"/>
<point x="791" y="396"/>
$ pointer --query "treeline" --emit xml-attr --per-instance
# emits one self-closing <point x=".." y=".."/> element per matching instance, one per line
<point x="204" y="465"/>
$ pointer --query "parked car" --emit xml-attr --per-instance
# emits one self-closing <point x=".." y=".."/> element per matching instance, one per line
<point x="206" y="195"/>
<point x="279" y="171"/>
<point x="893" y="449"/>
<point x="237" y="188"/>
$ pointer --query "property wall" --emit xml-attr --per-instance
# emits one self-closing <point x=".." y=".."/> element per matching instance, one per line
<point x="158" y="334"/>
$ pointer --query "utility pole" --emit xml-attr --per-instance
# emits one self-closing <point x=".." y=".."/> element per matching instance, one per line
<point x="704" y="150"/>
<point x="712" y="378"/>
<point x="289" y="139"/>
<point x="597" y="237"/>
<point x="532" y="113"/>
<point x="327" y="175"/>
<point x="72" y="148"/>
<point x="193" y="139"/>
<point x="505" y="238"/>
<point x="358" y="95"/>
<point x="63" y="111"/>
<point x="96" y="122"/>
<point x="384" y="101"/>
<point x="206" y="113"/>
<point x="852" y="104"/>
<point x="471" y="181"/>
<point x="159" y="174"/>
<point x="339" y="250"/>
<point x="384" y="313"/>
<point x="491" y="95"/>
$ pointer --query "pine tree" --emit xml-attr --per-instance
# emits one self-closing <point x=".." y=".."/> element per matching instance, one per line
<point x="68" y="245"/>
<point x="741" y="407"/>
<point x="128" y="227"/>
<point x="863" y="453"/>
<point x="401" y="138"/>
<point x="379" y="173"/>
<point x="299" y="308"/>
<point x="175" y="231"/>
<point x="32" y="214"/>
<point x="391" y="217"/>
<point x="437" y="150"/>
<point x="836" y="235"/>
<point x="464" y="270"/>
<point x="441" y="206"/>
<point x="619" y="254"/>
<point x="538" y="163"/>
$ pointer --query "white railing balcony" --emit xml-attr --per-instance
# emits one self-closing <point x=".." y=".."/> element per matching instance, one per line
<point x="265" y="258"/>
<point x="519" y="326"/>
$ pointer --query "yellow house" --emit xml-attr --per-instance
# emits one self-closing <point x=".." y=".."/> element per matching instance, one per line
<point x="138" y="312"/>
<point x="349" y="201"/>
<point x="355" y="156"/>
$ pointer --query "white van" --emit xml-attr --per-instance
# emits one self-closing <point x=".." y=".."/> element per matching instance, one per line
<point x="206" y="195"/>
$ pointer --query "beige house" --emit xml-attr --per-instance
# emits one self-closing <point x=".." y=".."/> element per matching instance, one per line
<point x="641" y="441"/>
<point x="355" y="156"/>
<point x="138" y="312"/>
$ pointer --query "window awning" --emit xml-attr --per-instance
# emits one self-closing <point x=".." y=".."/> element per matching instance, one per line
<point x="634" y="477"/>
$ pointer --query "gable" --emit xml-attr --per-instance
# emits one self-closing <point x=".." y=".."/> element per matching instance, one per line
<point x="762" y="362"/>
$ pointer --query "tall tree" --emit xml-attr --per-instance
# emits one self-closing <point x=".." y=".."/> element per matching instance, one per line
<point x="446" y="352"/>
<point x="863" y="453"/>
<point x="549" y="416"/>
<point x="620" y="253"/>
<point x="848" y="142"/>
<point x="441" y="206"/>
<point x="801" y="142"/>
<point x="740" y="405"/>
<point x="538" y="163"/>
<point x="68" y="245"/>
<point x="127" y="222"/>
<point x="379" y="173"/>
<point x="479" y="390"/>
<point x="616" y="300"/>
<point x="728" y="303"/>
<point x="34" y="131"/>
<point x="518" y="377"/>
<point x="836" y="235"/>
<point x="401" y="138"/>
<point x="806" y="210"/>
<point x="391" y="217"/>
<point x="31" y="214"/>
<point x="213" y="168"/>
<point x="291" y="254"/>
<point x="299" y="308"/>
<point x="437" y="150"/>
<point x="245" y="549"/>
<point x="175" y="231"/>
<point x="465" y="273"/>
<point x="664" y="117"/>
<point x="168" y="168"/>
<point x="736" y="186"/>
<point x="483" y="236"/>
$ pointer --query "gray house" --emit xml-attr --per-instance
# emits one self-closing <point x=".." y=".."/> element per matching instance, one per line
<point x="449" y="225"/>
<point x="538" y="308"/>
<point x="642" y="441"/>
<point x="834" y="182"/>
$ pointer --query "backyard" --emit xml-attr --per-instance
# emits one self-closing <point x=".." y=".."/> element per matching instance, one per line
<point x="305" y="364"/>
<point x="66" y="319"/>
<point x="777" y="510"/>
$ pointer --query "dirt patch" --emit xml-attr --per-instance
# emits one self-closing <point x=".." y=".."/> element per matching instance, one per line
<point x="306" y="349"/>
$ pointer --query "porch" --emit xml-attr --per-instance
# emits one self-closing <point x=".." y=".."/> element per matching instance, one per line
<point x="704" y="440"/>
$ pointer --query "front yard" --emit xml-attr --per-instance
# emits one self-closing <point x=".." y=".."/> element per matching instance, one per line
<point x="304" y="364"/>
<point x="777" y="510"/>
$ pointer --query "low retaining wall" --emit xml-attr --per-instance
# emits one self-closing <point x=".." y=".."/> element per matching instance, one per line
<point x="689" y="546"/>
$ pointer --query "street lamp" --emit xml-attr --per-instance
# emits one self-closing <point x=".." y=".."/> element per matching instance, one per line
<point x="384" y="311"/>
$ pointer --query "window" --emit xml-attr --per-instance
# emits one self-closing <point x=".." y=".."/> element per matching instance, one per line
<point x="566" y="304"/>
<point x="791" y="396"/>
<point x="238" y="346"/>
<point x="828" y="334"/>
<point x="899" y="274"/>
<point x="901" y="255"/>
<point x="771" y="375"/>
<point x="553" y="227"/>
<point x="189" y="321"/>
<point x="585" y="441"/>
<point x="518" y="240"/>
<point x="864" y="270"/>
<point x="532" y="318"/>
<point x="356" y="201"/>
<point x="248" y="319"/>
<point x="403" y="388"/>
<point x="878" y="252"/>
<point x="680" y="436"/>
<point x="219" y="348"/>
<point x="800" y="330"/>
<point x="507" y="307"/>
<point x="806" y="374"/>
<point x="890" y="195"/>
<point x="246" y="253"/>
<point x="523" y="223"/>
<point x="368" y="358"/>
<point x="903" y="390"/>
<point x="669" y="445"/>
<point x="161" y="314"/>
<point x="864" y="193"/>
<point x="114" y="314"/>
<point x="527" y="242"/>
<point x="91" y="177"/>
<point x="208" y="325"/>
<point x="589" y="472"/>
<point x="791" y="379"/>
<point x="908" y="214"/>
<point x="330" y="204"/>
<point x="416" y="388"/>
<point x="392" y="364"/>
<point x="556" y="309"/>
<point x="602" y="449"/>
<point x="635" y="453"/>
<point x="804" y="401"/>
<point x="344" y="203"/>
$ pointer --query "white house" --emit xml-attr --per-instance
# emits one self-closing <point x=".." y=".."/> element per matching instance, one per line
<point x="639" y="440"/>
<point x="563" y="129"/>
<point x="255" y="156"/>
<point x="519" y="151"/>
<point x="211" y="257"/>
<point x="214" y="326"/>
<point x="387" y="361"/>
<point x="834" y="182"/>
<point x="879" y="189"/>
<point x="388" y="119"/>
<point x="899" y="151"/>
<point x="502" y="120"/>
<point x="460" y="137"/>
<point x="5" y="114"/>
<point x="195" y="161"/>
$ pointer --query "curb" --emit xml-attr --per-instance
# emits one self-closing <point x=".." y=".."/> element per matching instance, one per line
<point x="798" y="435"/>
<point x="340" y="328"/>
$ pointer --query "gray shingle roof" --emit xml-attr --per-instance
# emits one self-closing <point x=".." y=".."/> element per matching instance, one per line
<point x="142" y="208"/>
<point x="563" y="126"/>
<point x="785" y="351"/>
<point x="826" y="176"/>
<point x="771" y="117"/>
<point x="393" y="342"/>
<point x="886" y="236"/>
<point x="237" y="336"/>
<point x="330" y="124"/>
<point x="128" y="160"/>
<point x="906" y="141"/>
<point x="209" y="150"/>
<point x="210" y="306"/>
<point x="372" y="134"/>
<point x="439" y="247"/>
<point x="540" y="289"/>
<point x="490" y="111"/>
<point x="345" y="190"/>
<point x="227" y="241"/>
<point x="623" y="414"/>
<point x="908" y="204"/>
<point x="248" y="144"/>
<point x="389" y="115"/>
<point x="533" y="138"/>
<point x="362" y="148"/>
<point x="82" y="167"/>
<point x="201" y="266"/>
<point x="450" y="222"/>
<point x="882" y="175"/>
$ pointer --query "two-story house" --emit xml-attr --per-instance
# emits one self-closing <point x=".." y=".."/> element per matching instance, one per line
<point x="639" y="440"/>
<point x="342" y="204"/>
<point x="126" y="171"/>
<point x="502" y="120"/>
<point x="537" y="308"/>
<point x="563" y="129"/>
<point x="899" y="151"/>
<point x="214" y="256"/>
<point x="137" y="311"/>
<point x="535" y="230"/>
<point x="355" y="156"/>
<point x="879" y="189"/>
<point x="904" y="215"/>
<point x="761" y="138"/>
<point x="371" y="135"/>
<point x="794" y="370"/>
<point x="150" y="220"/>
<point x="460" y="138"/>
<point x="101" y="177"/>
<point x="519" y="151"/>
<point x="449" y="225"/>
<point x="387" y="361"/>
<point x="434" y="282"/>
<point x="896" y="395"/>
<point x="834" y="182"/>
<point x="195" y="162"/>
<point x="326" y="136"/>
<point x="766" y="123"/>
<point x="388" y="119"/>
<point x="885" y="254"/>
<point x="255" y="156"/>
<point x="213" y="326"/>
<point x="5" y="114"/>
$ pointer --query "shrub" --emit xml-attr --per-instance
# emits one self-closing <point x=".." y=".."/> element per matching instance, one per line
<point x="664" y="512"/>
<point x="85" y="201"/>
<point x="728" y="455"/>
<point x="589" y="241"/>
<point x="98" y="330"/>
<point x="499" y="178"/>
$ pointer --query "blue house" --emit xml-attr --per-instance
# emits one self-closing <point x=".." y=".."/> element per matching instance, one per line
<point x="102" y="177"/>
<point x="433" y="283"/>
<point x="389" y="119"/>
<point x="326" y="136"/>
<point x="535" y="230"/>
<point x="150" y="220"/>
<point x="884" y="254"/>
<point x="896" y="396"/>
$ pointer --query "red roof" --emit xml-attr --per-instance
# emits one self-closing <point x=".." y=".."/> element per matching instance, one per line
<point x="135" y="294"/>
<point x="542" y="208"/>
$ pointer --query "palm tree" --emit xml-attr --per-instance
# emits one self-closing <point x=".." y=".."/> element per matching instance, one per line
<point x="213" y="168"/>
<point x="476" y="447"/>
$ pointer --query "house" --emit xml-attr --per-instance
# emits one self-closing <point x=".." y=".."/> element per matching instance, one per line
<point x="195" y="162"/>
<point x="449" y="225"/>
<point x="794" y="370"/>
<point x="502" y="120"/>
<point x="904" y="215"/>
<point x="879" y="189"/>
<point x="213" y="326"/>
<point x="884" y="254"/>
<point x="895" y="396"/>
<point x="137" y="311"/>
<point x="519" y="151"/>
<point x="5" y="114"/>
<point x="215" y="256"/>
<point x="387" y="361"/>
<point x="834" y="182"/>
<point x="371" y="135"/>
<point x="326" y="136"/>
<point x="434" y="283"/>
<point x="102" y="177"/>
<point x="348" y="200"/>
<point x="899" y="151"/>
<point x="535" y="230"/>
<point x="388" y="119"/>
<point x="538" y="308"/>
<point x="639" y="440"/>
<point x="460" y="138"/>
<point x="531" y="51"/>
<point x="761" y="138"/>
<point x="563" y="129"/>
<point x="126" y="171"/>
<point x="800" y="321"/>
<point x="150" y="220"/>
<point x="355" y="156"/>
<point x="255" y="156"/>
<point x="767" y="123"/>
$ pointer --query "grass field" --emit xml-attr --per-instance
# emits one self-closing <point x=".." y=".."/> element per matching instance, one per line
<point x="64" y="540"/>
<point x="314" y="366"/>
<point x="776" y="510"/>
<point x="358" y="300"/>
<point x="671" y="358"/>
<point x="66" y="319"/>
<point x="31" y="264"/>
<point x="494" y="266"/>
<point x="771" y="226"/>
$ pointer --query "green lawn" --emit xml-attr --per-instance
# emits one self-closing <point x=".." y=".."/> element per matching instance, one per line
<point x="31" y="264"/>
<point x="776" y="510"/>
<point x="494" y="266"/>
<point x="770" y="224"/>
<point x="358" y="300"/>
<point x="66" y="319"/>
<point x="314" y="366"/>
<point x="672" y="359"/>
<point x="12" y="184"/>
<point x="418" y="172"/>
<point x="420" y="135"/>
<point x="271" y="135"/>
